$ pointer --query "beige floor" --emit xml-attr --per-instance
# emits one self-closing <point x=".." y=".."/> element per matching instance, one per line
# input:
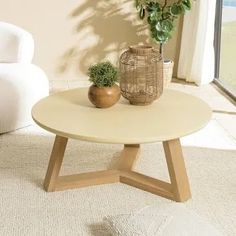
<point x="224" y="109"/>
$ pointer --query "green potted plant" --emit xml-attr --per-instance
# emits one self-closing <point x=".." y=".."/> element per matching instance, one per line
<point x="104" y="92"/>
<point x="161" y="16"/>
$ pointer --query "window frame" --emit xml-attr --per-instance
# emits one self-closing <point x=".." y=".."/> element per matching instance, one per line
<point x="217" y="47"/>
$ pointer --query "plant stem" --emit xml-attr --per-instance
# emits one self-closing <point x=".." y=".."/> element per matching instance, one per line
<point x="161" y="50"/>
<point x="164" y="4"/>
<point x="163" y="7"/>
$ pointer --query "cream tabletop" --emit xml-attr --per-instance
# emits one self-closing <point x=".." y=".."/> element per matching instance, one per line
<point x="70" y="114"/>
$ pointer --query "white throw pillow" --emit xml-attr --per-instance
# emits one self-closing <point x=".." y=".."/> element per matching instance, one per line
<point x="173" y="219"/>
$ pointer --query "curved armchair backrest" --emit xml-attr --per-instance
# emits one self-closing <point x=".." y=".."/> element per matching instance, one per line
<point x="16" y="45"/>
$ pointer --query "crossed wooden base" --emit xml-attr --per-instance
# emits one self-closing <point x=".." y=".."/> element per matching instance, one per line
<point x="178" y="190"/>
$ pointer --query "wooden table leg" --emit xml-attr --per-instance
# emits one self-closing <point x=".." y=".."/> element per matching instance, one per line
<point x="177" y="171"/>
<point x="177" y="190"/>
<point x="128" y="157"/>
<point x="54" y="182"/>
<point x="55" y="162"/>
<point x="129" y="176"/>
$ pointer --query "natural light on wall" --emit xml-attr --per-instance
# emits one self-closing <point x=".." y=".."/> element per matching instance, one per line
<point x="69" y="35"/>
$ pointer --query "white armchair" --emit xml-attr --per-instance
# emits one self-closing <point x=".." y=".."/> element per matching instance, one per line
<point x="22" y="84"/>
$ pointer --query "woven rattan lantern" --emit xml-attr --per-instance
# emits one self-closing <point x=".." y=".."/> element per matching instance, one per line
<point x="141" y="75"/>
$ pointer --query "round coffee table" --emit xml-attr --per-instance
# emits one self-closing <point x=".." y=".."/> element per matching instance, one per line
<point x="69" y="114"/>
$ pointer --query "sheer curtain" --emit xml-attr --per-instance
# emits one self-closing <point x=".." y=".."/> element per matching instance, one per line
<point x="197" y="60"/>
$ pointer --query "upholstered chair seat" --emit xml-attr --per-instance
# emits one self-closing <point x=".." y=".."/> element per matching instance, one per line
<point x="22" y="83"/>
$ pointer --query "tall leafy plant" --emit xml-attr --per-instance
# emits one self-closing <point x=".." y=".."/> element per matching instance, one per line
<point x="161" y="15"/>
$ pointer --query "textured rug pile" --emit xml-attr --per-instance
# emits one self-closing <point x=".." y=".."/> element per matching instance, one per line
<point x="26" y="209"/>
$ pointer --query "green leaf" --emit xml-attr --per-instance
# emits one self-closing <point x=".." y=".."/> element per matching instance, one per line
<point x="158" y="26"/>
<point x="142" y="13"/>
<point x="165" y="26"/>
<point x="154" y="16"/>
<point x="153" y="6"/>
<point x="166" y="15"/>
<point x="162" y="37"/>
<point x="103" y="74"/>
<point x="186" y="4"/>
<point x="176" y="9"/>
<point x="151" y="21"/>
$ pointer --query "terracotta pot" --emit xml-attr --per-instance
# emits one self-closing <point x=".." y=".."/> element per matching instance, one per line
<point x="103" y="97"/>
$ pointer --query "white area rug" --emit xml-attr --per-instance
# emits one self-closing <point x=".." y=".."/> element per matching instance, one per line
<point x="26" y="209"/>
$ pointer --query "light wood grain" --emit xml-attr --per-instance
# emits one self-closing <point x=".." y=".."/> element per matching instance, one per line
<point x="177" y="171"/>
<point x="87" y="179"/>
<point x="55" y="162"/>
<point x="173" y="115"/>
<point x="128" y="157"/>
<point x="177" y="190"/>
<point x="147" y="183"/>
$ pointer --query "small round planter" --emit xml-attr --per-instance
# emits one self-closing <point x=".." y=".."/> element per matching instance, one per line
<point x="104" y="97"/>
